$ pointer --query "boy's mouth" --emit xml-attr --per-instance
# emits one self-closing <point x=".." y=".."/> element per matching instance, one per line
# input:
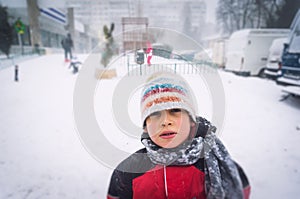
<point x="167" y="134"/>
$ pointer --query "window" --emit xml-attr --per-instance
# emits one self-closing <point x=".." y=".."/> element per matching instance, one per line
<point x="295" y="40"/>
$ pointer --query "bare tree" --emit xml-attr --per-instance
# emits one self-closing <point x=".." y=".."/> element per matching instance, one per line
<point x="234" y="15"/>
<point x="267" y="12"/>
<point x="287" y="13"/>
<point x="5" y="31"/>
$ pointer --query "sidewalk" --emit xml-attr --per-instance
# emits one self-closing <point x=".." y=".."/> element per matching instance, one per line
<point x="14" y="59"/>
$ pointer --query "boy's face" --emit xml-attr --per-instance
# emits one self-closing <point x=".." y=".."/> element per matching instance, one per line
<point x="169" y="128"/>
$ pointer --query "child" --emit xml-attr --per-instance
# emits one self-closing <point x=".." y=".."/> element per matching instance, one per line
<point x="182" y="158"/>
<point x="149" y="53"/>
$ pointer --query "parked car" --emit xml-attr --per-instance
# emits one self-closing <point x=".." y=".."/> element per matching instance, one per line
<point x="290" y="70"/>
<point x="274" y="58"/>
<point x="247" y="51"/>
<point x="162" y="50"/>
<point x="186" y="55"/>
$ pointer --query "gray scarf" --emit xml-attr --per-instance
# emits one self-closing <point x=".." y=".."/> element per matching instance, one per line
<point x="222" y="178"/>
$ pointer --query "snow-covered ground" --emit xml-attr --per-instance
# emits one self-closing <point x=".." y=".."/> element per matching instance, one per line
<point x="43" y="156"/>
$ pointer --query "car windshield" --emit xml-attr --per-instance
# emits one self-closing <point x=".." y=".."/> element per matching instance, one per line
<point x="295" y="40"/>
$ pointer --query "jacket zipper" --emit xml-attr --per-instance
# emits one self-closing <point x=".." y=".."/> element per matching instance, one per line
<point x="165" y="181"/>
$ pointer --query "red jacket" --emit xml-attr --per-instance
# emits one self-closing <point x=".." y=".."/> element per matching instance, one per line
<point x="138" y="178"/>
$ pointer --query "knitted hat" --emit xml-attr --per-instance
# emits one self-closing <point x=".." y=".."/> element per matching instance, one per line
<point x="165" y="90"/>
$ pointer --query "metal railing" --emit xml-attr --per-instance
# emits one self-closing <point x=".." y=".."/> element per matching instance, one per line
<point x="180" y="67"/>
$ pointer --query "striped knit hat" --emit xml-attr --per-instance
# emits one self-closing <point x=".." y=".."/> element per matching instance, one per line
<point x="165" y="90"/>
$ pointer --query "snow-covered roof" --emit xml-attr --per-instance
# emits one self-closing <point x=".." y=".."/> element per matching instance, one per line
<point x="254" y="32"/>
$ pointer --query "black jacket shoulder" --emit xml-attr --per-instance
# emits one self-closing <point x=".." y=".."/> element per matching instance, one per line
<point x="137" y="162"/>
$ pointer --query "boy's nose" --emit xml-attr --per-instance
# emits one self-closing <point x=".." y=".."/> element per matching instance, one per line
<point x="166" y="119"/>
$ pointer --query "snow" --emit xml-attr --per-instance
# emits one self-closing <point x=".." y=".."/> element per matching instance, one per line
<point x="43" y="155"/>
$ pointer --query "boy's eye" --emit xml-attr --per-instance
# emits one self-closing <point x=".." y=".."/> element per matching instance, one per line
<point x="157" y="113"/>
<point x="175" y="110"/>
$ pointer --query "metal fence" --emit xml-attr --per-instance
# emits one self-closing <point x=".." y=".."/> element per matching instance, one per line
<point x="180" y="67"/>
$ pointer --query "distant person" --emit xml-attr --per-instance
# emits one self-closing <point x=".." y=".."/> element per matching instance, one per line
<point x="74" y="64"/>
<point x="149" y="53"/>
<point x="67" y="44"/>
<point x="182" y="156"/>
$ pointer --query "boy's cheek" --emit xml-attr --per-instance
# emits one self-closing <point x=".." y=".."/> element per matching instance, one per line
<point x="149" y="127"/>
<point x="150" y="123"/>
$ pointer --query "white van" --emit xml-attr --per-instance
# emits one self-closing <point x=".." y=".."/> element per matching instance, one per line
<point x="274" y="58"/>
<point x="248" y="49"/>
